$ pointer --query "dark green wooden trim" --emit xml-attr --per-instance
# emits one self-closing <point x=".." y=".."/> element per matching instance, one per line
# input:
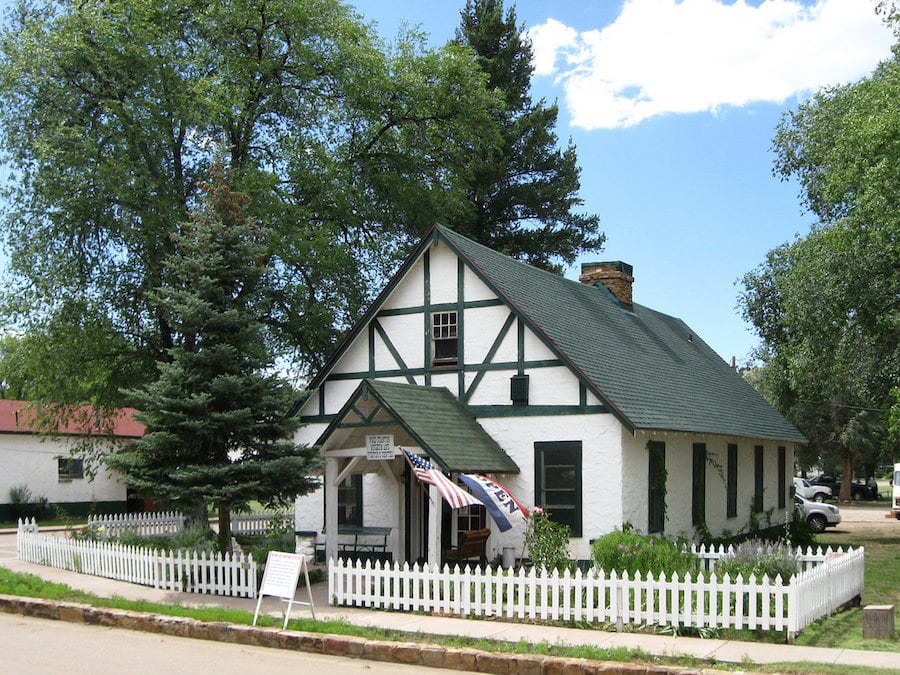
<point x="441" y="307"/>
<point x="541" y="335"/>
<point x="698" y="485"/>
<point x="322" y="399"/>
<point x="758" y="477"/>
<point x="460" y="327"/>
<point x="377" y="374"/>
<point x="512" y="365"/>
<point x="394" y="353"/>
<point x="731" y="481"/>
<point x="782" y="476"/>
<point x="470" y="368"/>
<point x="420" y="249"/>
<point x="520" y="346"/>
<point x="504" y="331"/>
<point x="369" y="423"/>
<point x="426" y="313"/>
<point x="371" y="337"/>
<point x="535" y="410"/>
<point x="582" y="394"/>
<point x="317" y="419"/>
<point x="354" y="409"/>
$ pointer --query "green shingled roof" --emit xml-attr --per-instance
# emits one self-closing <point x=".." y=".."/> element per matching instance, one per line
<point x="652" y="369"/>
<point x="442" y="426"/>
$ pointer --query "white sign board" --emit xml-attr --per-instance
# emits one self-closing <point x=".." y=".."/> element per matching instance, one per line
<point x="380" y="448"/>
<point x="281" y="574"/>
<point x="280" y="580"/>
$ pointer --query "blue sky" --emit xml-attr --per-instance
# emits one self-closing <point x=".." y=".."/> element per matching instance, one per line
<point x="672" y="105"/>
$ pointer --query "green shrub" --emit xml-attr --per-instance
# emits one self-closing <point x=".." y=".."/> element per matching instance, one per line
<point x="24" y="505"/>
<point x="797" y="532"/>
<point x="755" y="558"/>
<point x="627" y="551"/>
<point x="195" y="538"/>
<point x="548" y="542"/>
<point x="274" y="541"/>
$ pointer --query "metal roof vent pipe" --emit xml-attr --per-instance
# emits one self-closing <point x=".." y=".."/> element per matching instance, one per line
<point x="616" y="276"/>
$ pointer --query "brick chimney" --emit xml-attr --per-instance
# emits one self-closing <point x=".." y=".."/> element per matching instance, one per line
<point x="616" y="276"/>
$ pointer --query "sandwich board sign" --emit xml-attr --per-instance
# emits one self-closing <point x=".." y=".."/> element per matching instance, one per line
<point x="280" y="580"/>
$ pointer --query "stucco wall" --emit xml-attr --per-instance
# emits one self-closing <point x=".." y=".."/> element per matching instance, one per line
<point x="29" y="461"/>
<point x="601" y="466"/>
<point x="679" y="452"/>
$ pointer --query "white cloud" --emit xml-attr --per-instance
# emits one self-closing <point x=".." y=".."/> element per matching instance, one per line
<point x="687" y="56"/>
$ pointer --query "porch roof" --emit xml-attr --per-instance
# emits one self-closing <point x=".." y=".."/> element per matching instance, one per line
<point x="429" y="417"/>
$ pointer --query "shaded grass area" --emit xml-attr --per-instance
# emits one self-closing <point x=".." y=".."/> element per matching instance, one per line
<point x="28" y="585"/>
<point x="844" y="630"/>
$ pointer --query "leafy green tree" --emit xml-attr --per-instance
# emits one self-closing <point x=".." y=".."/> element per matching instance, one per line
<point x="827" y="306"/>
<point x="523" y="191"/>
<point x="110" y="113"/>
<point x="218" y="429"/>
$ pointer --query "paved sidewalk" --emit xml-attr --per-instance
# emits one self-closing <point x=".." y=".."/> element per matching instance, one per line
<point x="721" y="650"/>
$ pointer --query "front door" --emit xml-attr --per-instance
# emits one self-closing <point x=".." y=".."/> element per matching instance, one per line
<point x="416" y="519"/>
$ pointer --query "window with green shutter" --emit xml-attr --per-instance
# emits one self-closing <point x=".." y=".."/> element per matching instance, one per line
<point x="731" y="482"/>
<point x="782" y="476"/>
<point x="656" y="487"/>
<point x="698" y="486"/>
<point x="758" y="478"/>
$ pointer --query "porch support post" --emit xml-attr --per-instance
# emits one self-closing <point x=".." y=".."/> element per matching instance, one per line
<point x="331" y="509"/>
<point x="434" y="526"/>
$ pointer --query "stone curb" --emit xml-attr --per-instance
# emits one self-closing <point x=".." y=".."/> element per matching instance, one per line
<point x="432" y="656"/>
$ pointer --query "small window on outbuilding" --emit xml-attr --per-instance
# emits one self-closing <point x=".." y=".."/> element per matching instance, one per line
<point x="444" y="338"/>
<point x="69" y="468"/>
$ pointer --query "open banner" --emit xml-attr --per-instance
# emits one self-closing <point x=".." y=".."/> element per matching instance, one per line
<point x="505" y="509"/>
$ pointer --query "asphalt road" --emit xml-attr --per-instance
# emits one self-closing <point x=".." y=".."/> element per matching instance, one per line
<point x="36" y="646"/>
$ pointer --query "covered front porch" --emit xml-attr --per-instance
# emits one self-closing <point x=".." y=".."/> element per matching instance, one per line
<point x="377" y="424"/>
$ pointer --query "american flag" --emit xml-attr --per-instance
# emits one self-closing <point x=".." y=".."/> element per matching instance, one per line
<point x="429" y="474"/>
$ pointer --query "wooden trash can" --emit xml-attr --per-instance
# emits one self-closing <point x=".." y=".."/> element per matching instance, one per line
<point x="878" y="622"/>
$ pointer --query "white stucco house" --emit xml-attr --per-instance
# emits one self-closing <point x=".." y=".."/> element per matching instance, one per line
<point x="43" y="463"/>
<point x="573" y="396"/>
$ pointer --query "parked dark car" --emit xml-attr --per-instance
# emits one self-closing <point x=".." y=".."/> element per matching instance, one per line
<point x="858" y="490"/>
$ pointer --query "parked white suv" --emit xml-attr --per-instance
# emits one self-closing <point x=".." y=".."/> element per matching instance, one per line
<point x="816" y="493"/>
<point x="818" y="516"/>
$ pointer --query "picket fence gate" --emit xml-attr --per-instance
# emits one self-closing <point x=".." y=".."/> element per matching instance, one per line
<point x="829" y="579"/>
<point x="188" y="571"/>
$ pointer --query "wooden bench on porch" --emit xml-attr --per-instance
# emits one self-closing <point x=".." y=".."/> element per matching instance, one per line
<point x="361" y="542"/>
<point x="471" y="546"/>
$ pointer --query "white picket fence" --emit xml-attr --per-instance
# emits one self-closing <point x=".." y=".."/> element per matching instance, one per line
<point x="704" y="601"/>
<point x="151" y="523"/>
<point x="165" y="523"/>
<point x="188" y="571"/>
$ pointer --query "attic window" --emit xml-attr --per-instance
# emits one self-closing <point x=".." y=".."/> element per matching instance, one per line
<point x="443" y="334"/>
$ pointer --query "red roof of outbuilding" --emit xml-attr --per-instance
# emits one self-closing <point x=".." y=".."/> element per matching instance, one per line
<point x="20" y="417"/>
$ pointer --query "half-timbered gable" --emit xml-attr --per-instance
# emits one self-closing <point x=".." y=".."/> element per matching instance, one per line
<point x="606" y="411"/>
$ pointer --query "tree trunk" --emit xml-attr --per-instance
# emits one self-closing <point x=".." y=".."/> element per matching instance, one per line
<point x="847" y="480"/>
<point x="198" y="516"/>
<point x="224" y="528"/>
